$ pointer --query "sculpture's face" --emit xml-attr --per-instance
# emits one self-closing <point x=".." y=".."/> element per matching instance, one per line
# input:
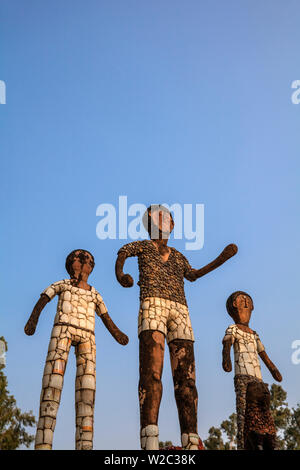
<point x="244" y="306"/>
<point x="83" y="262"/>
<point x="163" y="221"/>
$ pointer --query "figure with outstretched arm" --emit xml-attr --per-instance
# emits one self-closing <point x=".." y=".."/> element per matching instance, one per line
<point x="164" y="314"/>
<point x="74" y="325"/>
<point x="247" y="350"/>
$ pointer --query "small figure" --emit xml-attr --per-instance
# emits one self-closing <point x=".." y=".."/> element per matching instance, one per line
<point x="164" y="314"/>
<point x="74" y="324"/>
<point x="259" y="429"/>
<point x="247" y="347"/>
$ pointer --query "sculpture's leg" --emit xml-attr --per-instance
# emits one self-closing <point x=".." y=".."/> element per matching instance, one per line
<point x="240" y="385"/>
<point x="183" y="370"/>
<point x="152" y="346"/>
<point x="54" y="370"/>
<point x="85" y="389"/>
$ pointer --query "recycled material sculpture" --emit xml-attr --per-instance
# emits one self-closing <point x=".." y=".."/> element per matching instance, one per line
<point x="74" y="324"/>
<point x="259" y="428"/>
<point x="164" y="314"/>
<point x="247" y="348"/>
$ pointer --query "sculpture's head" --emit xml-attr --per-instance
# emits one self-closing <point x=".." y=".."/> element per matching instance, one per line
<point x="258" y="392"/>
<point x="79" y="262"/>
<point x="239" y="306"/>
<point x="158" y="222"/>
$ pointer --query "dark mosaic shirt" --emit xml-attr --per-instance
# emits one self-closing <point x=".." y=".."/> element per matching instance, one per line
<point x="159" y="278"/>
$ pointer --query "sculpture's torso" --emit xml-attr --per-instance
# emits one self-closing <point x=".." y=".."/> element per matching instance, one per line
<point x="157" y="278"/>
<point x="246" y="348"/>
<point x="76" y="306"/>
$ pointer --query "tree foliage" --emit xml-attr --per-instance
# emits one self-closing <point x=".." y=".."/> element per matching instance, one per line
<point x="163" y="445"/>
<point x="13" y="422"/>
<point x="292" y="432"/>
<point x="229" y="427"/>
<point x="214" y="440"/>
<point x="287" y="423"/>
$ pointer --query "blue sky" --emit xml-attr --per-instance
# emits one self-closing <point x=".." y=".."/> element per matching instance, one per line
<point x="176" y="102"/>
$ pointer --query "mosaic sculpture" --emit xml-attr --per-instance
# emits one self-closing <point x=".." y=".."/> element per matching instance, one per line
<point x="247" y="347"/>
<point x="164" y="314"/>
<point x="259" y="428"/>
<point x="74" y="324"/>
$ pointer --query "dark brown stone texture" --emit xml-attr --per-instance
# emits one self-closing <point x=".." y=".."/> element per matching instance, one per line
<point x="162" y="271"/>
<point x="152" y="347"/>
<point x="259" y="428"/>
<point x="184" y="379"/>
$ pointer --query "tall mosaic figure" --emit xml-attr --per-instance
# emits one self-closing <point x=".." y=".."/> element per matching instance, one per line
<point x="164" y="314"/>
<point x="74" y="324"/>
<point x="248" y="379"/>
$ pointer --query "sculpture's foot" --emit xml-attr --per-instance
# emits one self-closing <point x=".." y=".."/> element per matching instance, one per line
<point x="84" y="445"/>
<point x="43" y="439"/>
<point x="43" y="447"/>
<point x="191" y="441"/>
<point x="85" y="424"/>
<point x="149" y="437"/>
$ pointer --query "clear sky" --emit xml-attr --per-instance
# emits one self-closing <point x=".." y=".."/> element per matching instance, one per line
<point x="163" y="101"/>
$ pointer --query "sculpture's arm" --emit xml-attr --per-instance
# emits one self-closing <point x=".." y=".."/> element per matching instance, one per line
<point x="124" y="279"/>
<point x="272" y="368"/>
<point x="226" y="254"/>
<point x="226" y="363"/>
<point x="34" y="317"/>
<point x="119" y="336"/>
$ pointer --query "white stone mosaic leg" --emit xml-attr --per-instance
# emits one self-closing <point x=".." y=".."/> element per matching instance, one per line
<point x="85" y="394"/>
<point x="149" y="437"/>
<point x="52" y="385"/>
<point x="190" y="441"/>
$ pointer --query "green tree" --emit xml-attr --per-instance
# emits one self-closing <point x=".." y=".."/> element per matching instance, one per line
<point x="280" y="412"/>
<point x="214" y="440"/>
<point x="292" y="432"/>
<point x="13" y="422"/>
<point x="163" y="445"/>
<point x="229" y="427"/>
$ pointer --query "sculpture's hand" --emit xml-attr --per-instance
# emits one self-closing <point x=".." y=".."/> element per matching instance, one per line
<point x="126" y="280"/>
<point x="227" y="366"/>
<point x="30" y="327"/>
<point x="34" y="317"/>
<point x="229" y="251"/>
<point x="276" y="374"/>
<point x="121" y="338"/>
<point x="117" y="334"/>
<point x="272" y="368"/>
